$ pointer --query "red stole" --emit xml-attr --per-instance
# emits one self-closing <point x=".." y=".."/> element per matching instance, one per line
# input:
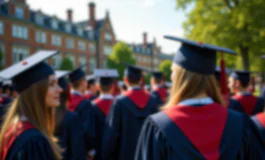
<point x="162" y="93"/>
<point x="103" y="104"/>
<point x="247" y="102"/>
<point x="75" y="100"/>
<point x="12" y="134"/>
<point x="139" y="97"/>
<point x="203" y="126"/>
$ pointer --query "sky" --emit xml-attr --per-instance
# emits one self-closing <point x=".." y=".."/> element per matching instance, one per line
<point x="130" y="18"/>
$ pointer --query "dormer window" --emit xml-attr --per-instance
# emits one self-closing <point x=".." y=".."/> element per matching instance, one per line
<point x="68" y="28"/>
<point x="39" y="19"/>
<point x="90" y="34"/>
<point x="19" y="12"/>
<point x="80" y="31"/>
<point x="54" y="24"/>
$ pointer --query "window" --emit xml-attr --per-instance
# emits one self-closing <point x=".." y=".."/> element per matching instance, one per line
<point x="39" y="19"/>
<point x="54" y="24"/>
<point x="108" y="37"/>
<point x="40" y="37"/>
<point x="56" y="61"/>
<point x="139" y="59"/>
<point x="156" y="61"/>
<point x="105" y="65"/>
<point x="19" y="12"/>
<point x="68" y="28"/>
<point x="107" y="50"/>
<point x="56" y="40"/>
<point x="19" y="32"/>
<point x="92" y="48"/>
<point x="19" y="53"/>
<point x="80" y="31"/>
<point x="90" y="34"/>
<point x="70" y="43"/>
<point x="81" y="46"/>
<point x="92" y="64"/>
<point x="82" y="60"/>
<point x="1" y="28"/>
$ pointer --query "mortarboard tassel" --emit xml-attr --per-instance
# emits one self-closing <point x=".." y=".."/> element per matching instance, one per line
<point x="224" y="89"/>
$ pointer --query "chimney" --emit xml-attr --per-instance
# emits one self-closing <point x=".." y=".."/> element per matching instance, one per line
<point x="70" y="15"/>
<point x="92" y="19"/>
<point x="107" y="14"/>
<point x="145" y="39"/>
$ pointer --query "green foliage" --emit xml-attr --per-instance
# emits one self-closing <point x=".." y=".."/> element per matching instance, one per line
<point x="233" y="24"/>
<point x="67" y="64"/>
<point x="121" y="53"/>
<point x="1" y="59"/>
<point x="147" y="78"/>
<point x="165" y="68"/>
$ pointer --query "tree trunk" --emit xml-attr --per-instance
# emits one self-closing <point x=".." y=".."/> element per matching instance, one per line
<point x="244" y="52"/>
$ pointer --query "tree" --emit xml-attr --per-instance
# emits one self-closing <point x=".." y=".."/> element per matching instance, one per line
<point x="235" y="24"/>
<point x="165" y="68"/>
<point x="1" y="59"/>
<point x="67" y="64"/>
<point x="147" y="78"/>
<point x="121" y="53"/>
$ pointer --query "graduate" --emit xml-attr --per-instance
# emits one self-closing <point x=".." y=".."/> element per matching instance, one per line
<point x="158" y="90"/>
<point x="91" y="92"/>
<point x="126" y="117"/>
<point x="102" y="104"/>
<point x="194" y="124"/>
<point x="27" y="131"/>
<point x="147" y="88"/>
<point x="68" y="125"/>
<point x="259" y="129"/>
<point x="6" y="95"/>
<point x="79" y="84"/>
<point x="247" y="102"/>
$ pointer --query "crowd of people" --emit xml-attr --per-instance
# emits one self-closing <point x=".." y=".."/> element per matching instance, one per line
<point x="49" y="114"/>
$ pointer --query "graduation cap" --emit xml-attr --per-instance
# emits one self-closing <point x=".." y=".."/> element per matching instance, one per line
<point x="61" y="76"/>
<point x="29" y="71"/>
<point x="242" y="76"/>
<point x="133" y="72"/>
<point x="77" y="74"/>
<point x="157" y="75"/>
<point x="91" y="79"/>
<point x="196" y="56"/>
<point x="106" y="76"/>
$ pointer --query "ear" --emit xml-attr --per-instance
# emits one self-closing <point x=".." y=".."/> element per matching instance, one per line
<point x="126" y="81"/>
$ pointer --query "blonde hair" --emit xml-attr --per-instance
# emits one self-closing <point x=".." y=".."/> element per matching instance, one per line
<point x="31" y="103"/>
<point x="187" y="84"/>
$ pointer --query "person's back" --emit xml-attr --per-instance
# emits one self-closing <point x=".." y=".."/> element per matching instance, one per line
<point x="126" y="117"/>
<point x="194" y="123"/>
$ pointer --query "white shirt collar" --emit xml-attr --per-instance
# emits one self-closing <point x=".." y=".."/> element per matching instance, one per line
<point x="134" y="88"/>
<point x="196" y="101"/>
<point x="76" y="92"/>
<point x="106" y="96"/>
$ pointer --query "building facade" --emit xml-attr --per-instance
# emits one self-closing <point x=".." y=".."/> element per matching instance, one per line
<point x="23" y="31"/>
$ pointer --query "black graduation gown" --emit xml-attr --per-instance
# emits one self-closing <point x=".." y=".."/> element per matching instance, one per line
<point x="197" y="132"/>
<point x="84" y="111"/>
<point x="247" y="104"/>
<point x="72" y="137"/>
<point x="259" y="123"/>
<point x="100" y="109"/>
<point x="124" y="122"/>
<point x="3" y="110"/>
<point x="30" y="145"/>
<point x="161" y="94"/>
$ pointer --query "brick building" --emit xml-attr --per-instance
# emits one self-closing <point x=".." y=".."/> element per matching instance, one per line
<point x="24" y="31"/>
<point x="147" y="54"/>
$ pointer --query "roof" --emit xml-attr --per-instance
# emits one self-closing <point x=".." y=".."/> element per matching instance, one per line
<point x="166" y="56"/>
<point x="99" y="25"/>
<point x="140" y="49"/>
<point x="47" y="22"/>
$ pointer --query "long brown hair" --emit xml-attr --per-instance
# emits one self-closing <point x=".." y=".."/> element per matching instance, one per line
<point x="187" y="84"/>
<point x="31" y="103"/>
